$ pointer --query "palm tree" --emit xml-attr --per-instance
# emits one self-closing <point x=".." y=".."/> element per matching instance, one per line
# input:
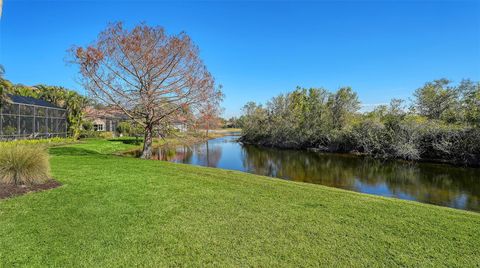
<point x="53" y="94"/>
<point x="75" y="104"/>
<point x="24" y="90"/>
<point x="3" y="95"/>
<point x="3" y="90"/>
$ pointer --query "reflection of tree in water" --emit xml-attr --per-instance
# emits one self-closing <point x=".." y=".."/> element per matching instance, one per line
<point x="180" y="154"/>
<point x="200" y="154"/>
<point x="430" y="183"/>
<point x="208" y="155"/>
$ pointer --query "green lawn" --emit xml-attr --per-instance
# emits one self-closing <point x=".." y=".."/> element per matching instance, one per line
<point x="114" y="211"/>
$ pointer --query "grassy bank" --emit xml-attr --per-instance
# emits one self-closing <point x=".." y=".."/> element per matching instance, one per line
<point x="124" y="144"/>
<point x="114" y="211"/>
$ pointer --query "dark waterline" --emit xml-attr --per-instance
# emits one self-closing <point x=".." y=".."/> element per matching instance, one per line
<point x="438" y="184"/>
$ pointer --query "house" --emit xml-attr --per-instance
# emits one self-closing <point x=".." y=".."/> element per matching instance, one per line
<point x="180" y="125"/>
<point x="106" y="118"/>
<point x="30" y="118"/>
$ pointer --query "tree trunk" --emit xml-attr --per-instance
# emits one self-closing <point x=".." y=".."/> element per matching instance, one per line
<point x="208" y="154"/>
<point x="147" y="143"/>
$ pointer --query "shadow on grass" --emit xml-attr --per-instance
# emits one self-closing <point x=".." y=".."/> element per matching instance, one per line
<point x="128" y="141"/>
<point x="58" y="151"/>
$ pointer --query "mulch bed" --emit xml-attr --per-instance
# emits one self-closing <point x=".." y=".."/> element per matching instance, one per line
<point x="10" y="190"/>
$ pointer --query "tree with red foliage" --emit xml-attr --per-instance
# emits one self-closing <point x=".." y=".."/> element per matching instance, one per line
<point x="209" y="115"/>
<point x="151" y="76"/>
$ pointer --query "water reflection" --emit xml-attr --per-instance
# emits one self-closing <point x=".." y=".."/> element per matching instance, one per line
<point x="200" y="154"/>
<point x="429" y="183"/>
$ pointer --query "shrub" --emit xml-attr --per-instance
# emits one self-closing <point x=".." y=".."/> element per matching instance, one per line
<point x="47" y="142"/>
<point x="124" y="128"/>
<point x="24" y="164"/>
<point x="327" y="121"/>
<point x="406" y="140"/>
<point x="372" y="137"/>
<point x="87" y="125"/>
<point x="106" y="135"/>
<point x="84" y="134"/>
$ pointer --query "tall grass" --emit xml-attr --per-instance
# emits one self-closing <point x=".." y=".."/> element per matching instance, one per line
<point x="24" y="164"/>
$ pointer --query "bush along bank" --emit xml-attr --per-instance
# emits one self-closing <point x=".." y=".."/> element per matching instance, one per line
<point x="442" y="123"/>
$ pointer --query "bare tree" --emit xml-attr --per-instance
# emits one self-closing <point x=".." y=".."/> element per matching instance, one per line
<point x="209" y="114"/>
<point x="151" y="76"/>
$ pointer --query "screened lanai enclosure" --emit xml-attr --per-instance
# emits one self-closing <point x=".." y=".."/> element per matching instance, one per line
<point x="30" y="118"/>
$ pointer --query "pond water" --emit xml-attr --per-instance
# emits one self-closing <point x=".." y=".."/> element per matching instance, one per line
<point x="438" y="184"/>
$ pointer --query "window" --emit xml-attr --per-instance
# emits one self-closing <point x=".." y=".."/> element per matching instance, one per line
<point x="98" y="127"/>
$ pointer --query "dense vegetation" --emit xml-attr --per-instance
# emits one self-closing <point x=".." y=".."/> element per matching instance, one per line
<point x="442" y="123"/>
<point x="118" y="211"/>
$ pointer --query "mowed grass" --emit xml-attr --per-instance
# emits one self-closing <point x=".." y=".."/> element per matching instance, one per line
<point x="118" y="211"/>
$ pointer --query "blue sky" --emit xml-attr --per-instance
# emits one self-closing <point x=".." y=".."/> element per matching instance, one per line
<point x="257" y="50"/>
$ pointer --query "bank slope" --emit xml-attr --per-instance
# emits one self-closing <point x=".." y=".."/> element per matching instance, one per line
<point x="114" y="211"/>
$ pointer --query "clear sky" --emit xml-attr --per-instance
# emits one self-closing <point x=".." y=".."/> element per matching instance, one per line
<point x="260" y="49"/>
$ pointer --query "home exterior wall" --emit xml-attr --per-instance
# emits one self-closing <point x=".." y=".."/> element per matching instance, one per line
<point x="182" y="127"/>
<point x="105" y="124"/>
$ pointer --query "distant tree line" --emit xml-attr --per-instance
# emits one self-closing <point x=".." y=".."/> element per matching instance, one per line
<point x="442" y="123"/>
